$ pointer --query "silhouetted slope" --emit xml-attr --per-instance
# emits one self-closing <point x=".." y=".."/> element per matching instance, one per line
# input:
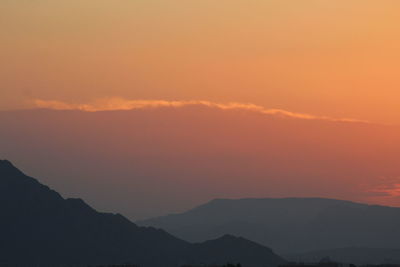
<point x="289" y="225"/>
<point x="43" y="227"/>
<point x="38" y="226"/>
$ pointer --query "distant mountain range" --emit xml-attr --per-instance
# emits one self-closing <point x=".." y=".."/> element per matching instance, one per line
<point x="40" y="228"/>
<point x="291" y="225"/>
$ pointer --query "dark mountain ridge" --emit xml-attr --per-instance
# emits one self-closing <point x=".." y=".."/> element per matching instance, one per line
<point x="39" y="227"/>
<point x="289" y="225"/>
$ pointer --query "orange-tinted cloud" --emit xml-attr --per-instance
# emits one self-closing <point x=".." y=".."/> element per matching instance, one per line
<point x="388" y="189"/>
<point x="116" y="103"/>
<point x="384" y="190"/>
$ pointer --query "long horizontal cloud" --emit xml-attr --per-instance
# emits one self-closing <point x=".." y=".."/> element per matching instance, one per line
<point x="116" y="103"/>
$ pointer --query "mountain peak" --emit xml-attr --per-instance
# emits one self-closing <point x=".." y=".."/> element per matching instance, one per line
<point x="5" y="163"/>
<point x="7" y="168"/>
<point x="232" y="239"/>
<point x="228" y="237"/>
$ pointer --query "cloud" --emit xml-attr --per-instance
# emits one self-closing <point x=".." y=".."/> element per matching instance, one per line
<point x="388" y="189"/>
<point x="116" y="103"/>
<point x="384" y="191"/>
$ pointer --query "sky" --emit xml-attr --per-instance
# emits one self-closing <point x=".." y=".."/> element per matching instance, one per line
<point x="327" y="58"/>
<point x="174" y="102"/>
<point x="166" y="157"/>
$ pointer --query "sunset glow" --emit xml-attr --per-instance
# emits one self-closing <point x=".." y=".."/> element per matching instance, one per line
<point x="337" y="59"/>
<point x="200" y="133"/>
<point x="204" y="98"/>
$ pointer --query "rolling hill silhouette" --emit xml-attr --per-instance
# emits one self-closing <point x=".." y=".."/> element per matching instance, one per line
<point x="39" y="227"/>
<point x="290" y="225"/>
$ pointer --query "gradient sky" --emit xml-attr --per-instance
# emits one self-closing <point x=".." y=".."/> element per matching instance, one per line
<point x="337" y="58"/>
<point x="230" y="98"/>
<point x="168" y="157"/>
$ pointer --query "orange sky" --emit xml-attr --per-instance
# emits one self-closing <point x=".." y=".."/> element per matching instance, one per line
<point x="327" y="58"/>
<point x="165" y="157"/>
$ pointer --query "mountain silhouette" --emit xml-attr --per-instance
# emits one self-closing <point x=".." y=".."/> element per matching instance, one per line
<point x="38" y="227"/>
<point x="291" y="225"/>
<point x="214" y="251"/>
